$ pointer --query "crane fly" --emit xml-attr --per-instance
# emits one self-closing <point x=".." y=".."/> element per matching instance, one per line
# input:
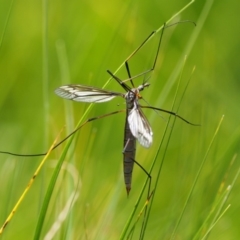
<point x="137" y="126"/>
<point x="136" y="123"/>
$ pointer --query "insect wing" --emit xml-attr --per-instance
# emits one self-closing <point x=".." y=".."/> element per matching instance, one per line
<point x="140" y="127"/>
<point x="82" y="93"/>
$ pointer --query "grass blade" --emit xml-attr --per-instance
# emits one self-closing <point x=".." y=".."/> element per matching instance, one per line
<point x="27" y="188"/>
<point x="196" y="178"/>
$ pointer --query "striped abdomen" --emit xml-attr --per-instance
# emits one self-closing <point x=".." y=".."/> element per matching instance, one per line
<point x="129" y="153"/>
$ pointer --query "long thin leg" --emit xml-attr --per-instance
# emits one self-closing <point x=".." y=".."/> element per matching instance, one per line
<point x="170" y="112"/>
<point x="130" y="78"/>
<point x="63" y="140"/>
<point x="26" y="189"/>
<point x="149" y="176"/>
<point x="158" y="49"/>
<point x="129" y="74"/>
<point x="129" y="153"/>
<point x="129" y="160"/>
<point x="119" y="81"/>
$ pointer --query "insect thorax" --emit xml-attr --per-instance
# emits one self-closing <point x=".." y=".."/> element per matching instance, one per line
<point x="131" y="97"/>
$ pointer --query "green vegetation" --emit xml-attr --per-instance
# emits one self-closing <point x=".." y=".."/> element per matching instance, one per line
<point x="80" y="193"/>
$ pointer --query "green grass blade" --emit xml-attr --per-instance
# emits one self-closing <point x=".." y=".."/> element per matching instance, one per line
<point x="167" y="143"/>
<point x="148" y="210"/>
<point x="217" y="212"/>
<point x="58" y="167"/>
<point x="196" y="178"/>
<point x="6" y="23"/>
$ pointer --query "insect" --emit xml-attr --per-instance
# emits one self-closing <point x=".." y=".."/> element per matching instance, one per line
<point x="136" y="123"/>
<point x="137" y="126"/>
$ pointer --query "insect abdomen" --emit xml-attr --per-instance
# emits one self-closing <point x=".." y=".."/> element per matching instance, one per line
<point x="129" y="153"/>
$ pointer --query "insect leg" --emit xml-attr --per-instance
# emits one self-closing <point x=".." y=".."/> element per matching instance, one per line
<point x="63" y="140"/>
<point x="170" y="112"/>
<point x="129" y="153"/>
<point x="130" y="78"/>
<point x="157" y="52"/>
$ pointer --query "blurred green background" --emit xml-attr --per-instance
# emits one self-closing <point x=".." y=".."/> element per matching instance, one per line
<point x="84" y="39"/>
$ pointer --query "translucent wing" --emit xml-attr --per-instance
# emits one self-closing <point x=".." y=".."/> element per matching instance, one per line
<point x="81" y="93"/>
<point x="140" y="127"/>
